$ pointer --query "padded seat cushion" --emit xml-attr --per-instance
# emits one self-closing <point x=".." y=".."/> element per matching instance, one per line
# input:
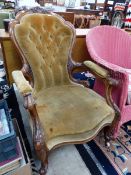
<point x="71" y="109"/>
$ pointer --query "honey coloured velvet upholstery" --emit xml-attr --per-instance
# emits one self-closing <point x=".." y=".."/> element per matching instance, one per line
<point x="47" y="42"/>
<point x="68" y="112"/>
<point x="71" y="109"/>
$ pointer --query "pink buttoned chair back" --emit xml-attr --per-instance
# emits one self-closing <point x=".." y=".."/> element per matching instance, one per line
<point x="110" y="47"/>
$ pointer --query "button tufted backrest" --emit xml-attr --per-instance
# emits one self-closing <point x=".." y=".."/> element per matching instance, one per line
<point x="46" y="42"/>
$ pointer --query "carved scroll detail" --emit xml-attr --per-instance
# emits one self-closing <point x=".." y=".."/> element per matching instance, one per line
<point x="109" y="83"/>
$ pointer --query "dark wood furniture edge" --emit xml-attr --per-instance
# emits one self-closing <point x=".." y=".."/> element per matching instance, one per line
<point x="6" y="35"/>
<point x="109" y="84"/>
<point x="4" y="39"/>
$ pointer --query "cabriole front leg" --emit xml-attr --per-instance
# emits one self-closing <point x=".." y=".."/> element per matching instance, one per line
<point x="38" y="134"/>
<point x="109" y="85"/>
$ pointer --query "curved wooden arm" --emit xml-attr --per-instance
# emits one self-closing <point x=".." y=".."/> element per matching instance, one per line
<point x="96" y="69"/>
<point x="109" y="82"/>
<point x="38" y="132"/>
<point x="109" y="85"/>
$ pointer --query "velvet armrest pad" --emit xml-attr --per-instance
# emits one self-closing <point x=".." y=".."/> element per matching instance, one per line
<point x="22" y="84"/>
<point x="96" y="69"/>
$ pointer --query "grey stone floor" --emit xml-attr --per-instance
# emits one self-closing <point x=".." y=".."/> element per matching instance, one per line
<point x="66" y="161"/>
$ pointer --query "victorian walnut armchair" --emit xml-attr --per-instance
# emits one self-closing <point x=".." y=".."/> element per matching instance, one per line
<point x="63" y="111"/>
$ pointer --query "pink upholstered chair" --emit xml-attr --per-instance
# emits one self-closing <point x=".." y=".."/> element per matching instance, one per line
<point x="110" y="47"/>
<point x="62" y="111"/>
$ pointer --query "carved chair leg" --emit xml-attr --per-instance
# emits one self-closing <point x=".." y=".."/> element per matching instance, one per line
<point x="44" y="163"/>
<point x="43" y="169"/>
<point x="42" y="154"/>
<point x="38" y="134"/>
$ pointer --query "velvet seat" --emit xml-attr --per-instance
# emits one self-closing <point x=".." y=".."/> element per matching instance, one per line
<point x="62" y="105"/>
<point x="63" y="111"/>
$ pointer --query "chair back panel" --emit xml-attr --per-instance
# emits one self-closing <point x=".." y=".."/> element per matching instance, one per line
<point x="110" y="47"/>
<point x="111" y="44"/>
<point x="46" y="42"/>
